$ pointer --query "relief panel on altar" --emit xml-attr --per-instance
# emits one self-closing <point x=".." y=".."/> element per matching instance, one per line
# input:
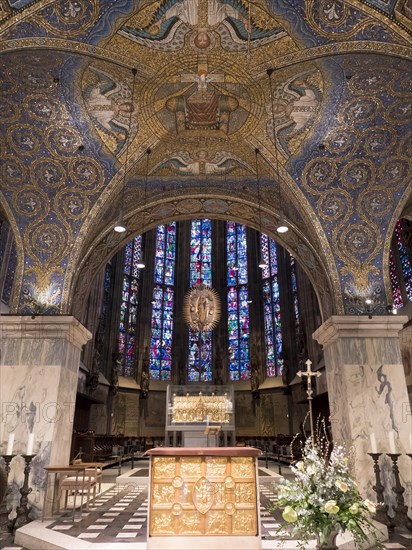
<point x="203" y="496"/>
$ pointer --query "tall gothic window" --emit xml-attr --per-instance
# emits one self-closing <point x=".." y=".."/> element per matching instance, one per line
<point x="294" y="285"/>
<point x="8" y="261"/>
<point x="237" y="302"/>
<point x="396" y="290"/>
<point x="154" y="316"/>
<point x="162" y="303"/>
<point x="200" y="344"/>
<point x="106" y="293"/>
<point x="271" y="307"/>
<point x="128" y="307"/>
<point x="405" y="259"/>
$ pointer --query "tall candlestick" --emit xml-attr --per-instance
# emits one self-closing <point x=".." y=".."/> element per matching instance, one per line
<point x="30" y="444"/>
<point x="374" y="447"/>
<point x="392" y="445"/>
<point x="10" y="444"/>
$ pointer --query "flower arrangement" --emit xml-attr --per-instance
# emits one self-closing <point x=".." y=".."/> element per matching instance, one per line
<point x="323" y="498"/>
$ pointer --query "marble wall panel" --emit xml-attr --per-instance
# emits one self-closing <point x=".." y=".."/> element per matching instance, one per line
<point x="38" y="381"/>
<point x="368" y="394"/>
<point x="406" y="352"/>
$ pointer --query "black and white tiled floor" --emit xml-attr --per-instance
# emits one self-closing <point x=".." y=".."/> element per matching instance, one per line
<point x="116" y="515"/>
<point x="120" y="515"/>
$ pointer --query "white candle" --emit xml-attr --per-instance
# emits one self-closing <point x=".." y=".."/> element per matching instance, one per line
<point x="392" y="445"/>
<point x="30" y="442"/>
<point x="10" y="444"/>
<point x="410" y="443"/>
<point x="374" y="447"/>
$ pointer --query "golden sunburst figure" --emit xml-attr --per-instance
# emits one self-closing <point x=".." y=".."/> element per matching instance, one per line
<point x="202" y="308"/>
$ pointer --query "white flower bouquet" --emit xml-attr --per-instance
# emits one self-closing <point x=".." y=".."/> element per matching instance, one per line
<point x="323" y="498"/>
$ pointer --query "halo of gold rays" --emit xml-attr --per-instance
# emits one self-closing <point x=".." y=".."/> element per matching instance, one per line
<point x="202" y="308"/>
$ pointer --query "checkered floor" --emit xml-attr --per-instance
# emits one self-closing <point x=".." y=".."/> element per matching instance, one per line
<point x="120" y="514"/>
<point x="115" y="515"/>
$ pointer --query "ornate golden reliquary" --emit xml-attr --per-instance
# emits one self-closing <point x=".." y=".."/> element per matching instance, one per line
<point x="203" y="495"/>
<point x="200" y="408"/>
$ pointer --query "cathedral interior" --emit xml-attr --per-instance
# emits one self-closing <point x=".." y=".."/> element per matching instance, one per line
<point x="205" y="194"/>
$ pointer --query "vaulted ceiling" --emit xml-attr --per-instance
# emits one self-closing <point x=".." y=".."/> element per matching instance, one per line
<point x="236" y="110"/>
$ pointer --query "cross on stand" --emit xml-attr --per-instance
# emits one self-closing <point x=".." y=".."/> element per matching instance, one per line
<point x="309" y="373"/>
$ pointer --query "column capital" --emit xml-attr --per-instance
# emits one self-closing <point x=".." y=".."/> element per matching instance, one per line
<point x="351" y="326"/>
<point x="65" y="327"/>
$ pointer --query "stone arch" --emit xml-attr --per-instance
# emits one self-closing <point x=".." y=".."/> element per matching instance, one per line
<point x="183" y="207"/>
<point x="7" y="215"/>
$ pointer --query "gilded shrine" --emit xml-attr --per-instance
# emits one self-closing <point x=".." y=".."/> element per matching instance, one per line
<point x="190" y="410"/>
<point x="198" y="495"/>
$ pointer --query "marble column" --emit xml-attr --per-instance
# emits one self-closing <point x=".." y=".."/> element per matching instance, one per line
<point x="368" y="393"/>
<point x="39" y="365"/>
<point x="406" y="352"/>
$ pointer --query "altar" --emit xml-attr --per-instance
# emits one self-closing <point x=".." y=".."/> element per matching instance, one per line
<point x="200" y="416"/>
<point x="203" y="498"/>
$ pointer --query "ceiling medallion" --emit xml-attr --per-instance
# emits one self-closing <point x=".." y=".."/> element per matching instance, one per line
<point x="202" y="308"/>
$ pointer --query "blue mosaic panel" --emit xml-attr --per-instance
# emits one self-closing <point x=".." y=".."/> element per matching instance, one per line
<point x="271" y="307"/>
<point x="162" y="303"/>
<point x="128" y="306"/>
<point x="237" y="302"/>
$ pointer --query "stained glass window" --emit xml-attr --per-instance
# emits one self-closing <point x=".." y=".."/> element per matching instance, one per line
<point x="8" y="254"/>
<point x="201" y="252"/>
<point x="10" y="275"/>
<point x="396" y="291"/>
<point x="294" y="286"/>
<point x="405" y="260"/>
<point x="237" y="302"/>
<point x="200" y="344"/>
<point x="106" y="294"/>
<point x="271" y="308"/>
<point x="162" y="303"/>
<point x="128" y="306"/>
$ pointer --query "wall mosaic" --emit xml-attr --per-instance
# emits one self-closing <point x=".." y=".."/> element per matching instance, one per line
<point x="355" y="195"/>
<point x="203" y="104"/>
<point x="47" y="177"/>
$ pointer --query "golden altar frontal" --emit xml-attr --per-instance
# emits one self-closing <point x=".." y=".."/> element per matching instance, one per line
<point x="203" y="498"/>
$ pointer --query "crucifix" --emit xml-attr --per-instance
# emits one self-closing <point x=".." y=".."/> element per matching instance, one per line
<point x="202" y="77"/>
<point x="309" y="373"/>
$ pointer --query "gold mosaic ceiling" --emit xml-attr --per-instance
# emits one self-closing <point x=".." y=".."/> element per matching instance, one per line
<point x="330" y="123"/>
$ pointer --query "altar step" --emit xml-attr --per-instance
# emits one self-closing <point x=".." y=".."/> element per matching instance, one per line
<point x="117" y="520"/>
